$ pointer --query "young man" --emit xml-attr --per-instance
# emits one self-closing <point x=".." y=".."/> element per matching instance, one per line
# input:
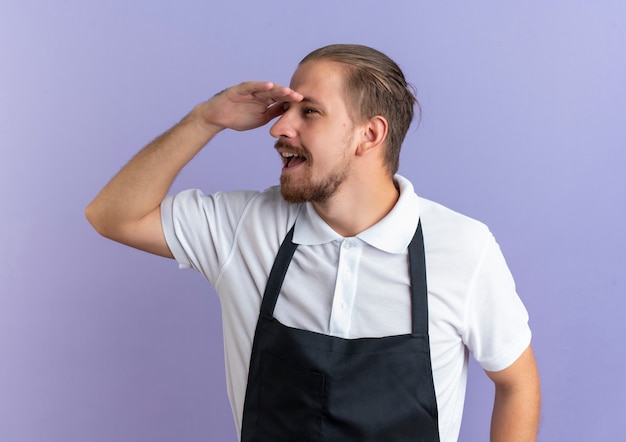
<point x="348" y="301"/>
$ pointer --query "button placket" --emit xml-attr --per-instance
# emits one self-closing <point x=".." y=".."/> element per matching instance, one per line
<point x="345" y="288"/>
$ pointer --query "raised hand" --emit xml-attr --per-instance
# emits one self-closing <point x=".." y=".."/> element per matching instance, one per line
<point x="128" y="207"/>
<point x="246" y="106"/>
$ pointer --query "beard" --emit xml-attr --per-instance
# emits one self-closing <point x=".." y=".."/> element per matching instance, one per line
<point x="308" y="189"/>
<point x="318" y="191"/>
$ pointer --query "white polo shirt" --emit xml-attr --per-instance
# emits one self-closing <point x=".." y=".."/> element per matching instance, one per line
<point x="353" y="287"/>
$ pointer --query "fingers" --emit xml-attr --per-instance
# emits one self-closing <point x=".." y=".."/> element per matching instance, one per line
<point x="269" y="93"/>
<point x="253" y="87"/>
<point x="248" y="105"/>
<point x="274" y="110"/>
<point x="282" y="94"/>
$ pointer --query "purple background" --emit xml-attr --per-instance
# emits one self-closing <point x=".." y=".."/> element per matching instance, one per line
<point x="524" y="128"/>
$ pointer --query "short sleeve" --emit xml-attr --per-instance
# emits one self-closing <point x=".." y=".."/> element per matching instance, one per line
<point x="497" y="330"/>
<point x="200" y="229"/>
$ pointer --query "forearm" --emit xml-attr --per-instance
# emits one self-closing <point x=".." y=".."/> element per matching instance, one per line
<point x="515" y="414"/>
<point x="517" y="402"/>
<point x="140" y="186"/>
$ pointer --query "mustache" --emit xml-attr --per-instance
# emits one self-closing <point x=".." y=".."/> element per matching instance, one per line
<point x="282" y="144"/>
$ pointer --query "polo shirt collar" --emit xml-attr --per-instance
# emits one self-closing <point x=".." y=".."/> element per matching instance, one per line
<point x="392" y="234"/>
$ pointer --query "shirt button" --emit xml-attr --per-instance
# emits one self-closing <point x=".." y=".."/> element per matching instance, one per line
<point x="346" y="271"/>
<point x="347" y="245"/>
<point x="342" y="305"/>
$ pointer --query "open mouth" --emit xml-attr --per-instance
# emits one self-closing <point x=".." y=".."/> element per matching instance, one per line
<point x="291" y="159"/>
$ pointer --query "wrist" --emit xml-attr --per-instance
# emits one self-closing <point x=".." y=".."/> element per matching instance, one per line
<point x="200" y="116"/>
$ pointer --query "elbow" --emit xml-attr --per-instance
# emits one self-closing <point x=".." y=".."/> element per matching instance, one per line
<point x="95" y="217"/>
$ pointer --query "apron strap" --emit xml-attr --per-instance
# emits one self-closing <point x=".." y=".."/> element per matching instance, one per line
<point x="277" y="275"/>
<point x="419" y="288"/>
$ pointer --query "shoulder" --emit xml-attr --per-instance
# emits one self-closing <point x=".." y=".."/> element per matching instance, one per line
<point x="223" y="215"/>
<point x="192" y="197"/>
<point x="445" y="230"/>
<point x="204" y="230"/>
<point x="248" y="215"/>
<point x="233" y="202"/>
<point x="447" y="227"/>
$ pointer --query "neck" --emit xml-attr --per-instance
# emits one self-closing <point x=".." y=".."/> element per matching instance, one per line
<point x="358" y="205"/>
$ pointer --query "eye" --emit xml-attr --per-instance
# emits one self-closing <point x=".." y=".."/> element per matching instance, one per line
<point x="308" y="111"/>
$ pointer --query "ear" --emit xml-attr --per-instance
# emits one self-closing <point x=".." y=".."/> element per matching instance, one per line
<point x="373" y="134"/>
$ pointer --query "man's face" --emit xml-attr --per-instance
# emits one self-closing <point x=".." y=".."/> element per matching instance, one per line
<point x="315" y="136"/>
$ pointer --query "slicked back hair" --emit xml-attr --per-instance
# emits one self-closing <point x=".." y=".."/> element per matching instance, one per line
<point x="375" y="85"/>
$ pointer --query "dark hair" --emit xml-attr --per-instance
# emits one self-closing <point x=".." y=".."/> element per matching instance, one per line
<point x="375" y="85"/>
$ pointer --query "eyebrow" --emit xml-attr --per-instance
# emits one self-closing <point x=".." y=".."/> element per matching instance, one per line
<point x="312" y="101"/>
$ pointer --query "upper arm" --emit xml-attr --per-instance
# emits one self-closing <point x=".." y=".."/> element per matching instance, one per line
<point x="521" y="375"/>
<point x="517" y="402"/>
<point x="144" y="234"/>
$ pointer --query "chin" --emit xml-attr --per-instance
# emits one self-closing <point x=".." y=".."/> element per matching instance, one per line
<point x="309" y="191"/>
<point x="292" y="195"/>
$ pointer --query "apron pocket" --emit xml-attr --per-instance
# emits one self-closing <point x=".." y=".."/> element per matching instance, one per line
<point x="377" y="398"/>
<point x="290" y="401"/>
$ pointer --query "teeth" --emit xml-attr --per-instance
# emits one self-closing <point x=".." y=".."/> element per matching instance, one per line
<point x="289" y="155"/>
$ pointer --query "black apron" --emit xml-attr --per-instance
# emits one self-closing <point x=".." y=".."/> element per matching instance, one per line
<point x="306" y="386"/>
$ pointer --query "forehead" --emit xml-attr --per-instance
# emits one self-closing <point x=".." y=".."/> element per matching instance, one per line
<point x="320" y="80"/>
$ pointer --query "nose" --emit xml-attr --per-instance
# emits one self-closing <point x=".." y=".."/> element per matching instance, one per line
<point x="283" y="127"/>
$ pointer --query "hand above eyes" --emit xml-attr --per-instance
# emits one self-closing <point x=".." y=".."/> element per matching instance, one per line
<point x="246" y="106"/>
